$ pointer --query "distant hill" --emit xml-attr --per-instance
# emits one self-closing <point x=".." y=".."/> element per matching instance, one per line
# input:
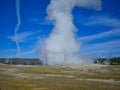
<point x="21" y="61"/>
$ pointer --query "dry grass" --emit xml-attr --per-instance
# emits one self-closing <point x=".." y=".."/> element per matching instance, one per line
<point x="59" y="78"/>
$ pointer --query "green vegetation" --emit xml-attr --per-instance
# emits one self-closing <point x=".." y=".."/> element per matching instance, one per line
<point x="110" y="61"/>
<point x="115" y="61"/>
<point x="84" y="77"/>
<point x="22" y="61"/>
<point x="35" y="61"/>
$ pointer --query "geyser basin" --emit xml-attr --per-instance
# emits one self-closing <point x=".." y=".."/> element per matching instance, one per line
<point x="61" y="47"/>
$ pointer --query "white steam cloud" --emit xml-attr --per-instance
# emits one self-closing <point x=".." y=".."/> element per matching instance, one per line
<point x="61" y="47"/>
<point x="17" y="25"/>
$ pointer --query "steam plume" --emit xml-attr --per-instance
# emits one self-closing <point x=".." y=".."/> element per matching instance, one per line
<point x="61" y="47"/>
<point x="17" y="25"/>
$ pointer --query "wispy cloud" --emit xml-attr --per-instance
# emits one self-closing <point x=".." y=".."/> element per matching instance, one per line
<point x="109" y="44"/>
<point x="28" y="53"/>
<point x="7" y="53"/>
<point x="39" y="21"/>
<point x="21" y="37"/>
<point x="102" y="20"/>
<point x="103" y="48"/>
<point x="31" y="53"/>
<point x="113" y="32"/>
<point x="25" y="37"/>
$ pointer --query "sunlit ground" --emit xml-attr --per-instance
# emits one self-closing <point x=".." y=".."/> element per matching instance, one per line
<point x="73" y="77"/>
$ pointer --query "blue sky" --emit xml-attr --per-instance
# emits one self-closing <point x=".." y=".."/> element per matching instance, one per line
<point x="97" y="31"/>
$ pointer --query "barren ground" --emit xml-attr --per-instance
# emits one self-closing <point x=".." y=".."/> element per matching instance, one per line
<point x="69" y="77"/>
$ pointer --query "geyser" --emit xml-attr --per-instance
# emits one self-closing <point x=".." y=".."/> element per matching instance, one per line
<point x="61" y="47"/>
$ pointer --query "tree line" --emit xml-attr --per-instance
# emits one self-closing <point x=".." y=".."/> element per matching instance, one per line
<point x="20" y="61"/>
<point x="110" y="61"/>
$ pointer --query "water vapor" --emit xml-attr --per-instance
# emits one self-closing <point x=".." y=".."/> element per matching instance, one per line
<point x="62" y="47"/>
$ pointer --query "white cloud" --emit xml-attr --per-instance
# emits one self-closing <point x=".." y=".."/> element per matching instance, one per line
<point x="28" y="53"/>
<point x="27" y="37"/>
<point x="102" y="20"/>
<point x="113" y="32"/>
<point x="40" y="22"/>
<point x="102" y="49"/>
<point x="21" y="37"/>
<point x="7" y="53"/>
<point x="103" y="45"/>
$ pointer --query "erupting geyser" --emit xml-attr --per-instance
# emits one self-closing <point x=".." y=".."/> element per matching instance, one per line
<point x="61" y="47"/>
